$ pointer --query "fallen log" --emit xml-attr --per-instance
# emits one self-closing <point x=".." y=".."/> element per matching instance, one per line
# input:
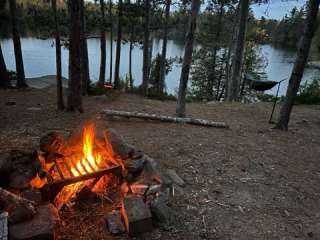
<point x="147" y="116"/>
<point x="9" y="198"/>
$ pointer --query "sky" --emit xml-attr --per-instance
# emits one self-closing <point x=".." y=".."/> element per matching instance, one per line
<point x="276" y="9"/>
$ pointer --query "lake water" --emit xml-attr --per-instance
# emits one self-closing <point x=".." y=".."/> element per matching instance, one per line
<point x="39" y="60"/>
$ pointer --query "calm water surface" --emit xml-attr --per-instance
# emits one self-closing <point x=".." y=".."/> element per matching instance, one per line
<point x="39" y="60"/>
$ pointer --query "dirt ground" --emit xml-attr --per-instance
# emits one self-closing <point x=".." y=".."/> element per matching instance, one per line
<point x="246" y="182"/>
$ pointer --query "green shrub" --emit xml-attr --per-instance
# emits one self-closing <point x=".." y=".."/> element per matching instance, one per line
<point x="309" y="93"/>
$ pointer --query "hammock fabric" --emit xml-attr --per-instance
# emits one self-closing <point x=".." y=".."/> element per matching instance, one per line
<point x="262" y="85"/>
<point x="258" y="84"/>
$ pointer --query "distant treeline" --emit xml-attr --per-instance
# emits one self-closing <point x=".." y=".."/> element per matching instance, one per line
<point x="35" y="18"/>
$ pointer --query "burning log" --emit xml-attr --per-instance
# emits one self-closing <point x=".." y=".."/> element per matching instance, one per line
<point x="147" y="116"/>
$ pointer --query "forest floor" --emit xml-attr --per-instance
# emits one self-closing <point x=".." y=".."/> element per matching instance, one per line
<point x="246" y="182"/>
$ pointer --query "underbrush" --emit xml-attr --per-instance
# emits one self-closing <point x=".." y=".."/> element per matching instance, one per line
<point x="309" y="93"/>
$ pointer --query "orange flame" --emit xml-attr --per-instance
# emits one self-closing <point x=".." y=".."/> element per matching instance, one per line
<point x="87" y="156"/>
<point x="90" y="161"/>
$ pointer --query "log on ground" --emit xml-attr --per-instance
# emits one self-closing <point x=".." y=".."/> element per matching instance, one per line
<point x="148" y="116"/>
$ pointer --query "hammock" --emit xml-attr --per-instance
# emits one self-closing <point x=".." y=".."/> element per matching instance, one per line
<point x="259" y="85"/>
<point x="262" y="85"/>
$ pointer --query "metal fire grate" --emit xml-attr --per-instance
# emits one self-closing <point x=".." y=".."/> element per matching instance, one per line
<point x="55" y="185"/>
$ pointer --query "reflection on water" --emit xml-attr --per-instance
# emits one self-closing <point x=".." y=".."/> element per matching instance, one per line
<point x="280" y="64"/>
<point x="39" y="60"/>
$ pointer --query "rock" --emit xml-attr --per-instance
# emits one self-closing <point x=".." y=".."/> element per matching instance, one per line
<point x="5" y="161"/>
<point x="114" y="223"/>
<point x="4" y="226"/>
<point x="152" y="172"/>
<point x="23" y="168"/>
<point x="172" y="174"/>
<point x="52" y="142"/>
<point x="19" y="180"/>
<point x="20" y="214"/>
<point x="162" y="213"/>
<point x="118" y="144"/>
<point x="136" y="215"/>
<point x="41" y="227"/>
<point x="32" y="195"/>
<point x="134" y="165"/>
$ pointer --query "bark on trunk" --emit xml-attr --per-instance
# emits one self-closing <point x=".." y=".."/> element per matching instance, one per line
<point x="146" y="67"/>
<point x="111" y="41"/>
<point x="164" y="49"/>
<point x="181" y="103"/>
<point x="4" y="76"/>
<point x="84" y="61"/>
<point x="74" y="90"/>
<point x="102" y="74"/>
<point x="147" y="116"/>
<point x="299" y="65"/>
<point x="130" y="63"/>
<point x="118" y="52"/>
<point x="21" y="81"/>
<point x="60" y="102"/>
<point x="237" y="60"/>
<point x="212" y="78"/>
<point x="231" y="46"/>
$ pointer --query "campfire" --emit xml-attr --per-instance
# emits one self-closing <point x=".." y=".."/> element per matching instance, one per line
<point x="90" y="161"/>
<point x="68" y="167"/>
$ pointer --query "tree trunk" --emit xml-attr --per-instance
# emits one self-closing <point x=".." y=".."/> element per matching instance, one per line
<point x="146" y="67"/>
<point x="299" y="65"/>
<point x="237" y="60"/>
<point x="118" y="52"/>
<point x="84" y="61"/>
<point x="111" y="41"/>
<point x="102" y="74"/>
<point x="130" y="63"/>
<point x="4" y="76"/>
<point x="164" y="49"/>
<point x="187" y="59"/>
<point x="74" y="90"/>
<point x="231" y="45"/>
<point x="215" y="52"/>
<point x="21" y="81"/>
<point x="60" y="102"/>
<point x="150" y="53"/>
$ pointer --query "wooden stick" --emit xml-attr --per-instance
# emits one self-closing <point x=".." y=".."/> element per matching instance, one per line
<point x="147" y="116"/>
<point x="10" y="198"/>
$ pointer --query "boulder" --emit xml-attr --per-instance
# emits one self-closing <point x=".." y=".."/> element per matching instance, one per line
<point x="118" y="144"/>
<point x="40" y="227"/>
<point x="161" y="212"/>
<point x="134" y="165"/>
<point x="114" y="223"/>
<point x="52" y="142"/>
<point x="172" y="174"/>
<point x="136" y="215"/>
<point x="32" y="195"/>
